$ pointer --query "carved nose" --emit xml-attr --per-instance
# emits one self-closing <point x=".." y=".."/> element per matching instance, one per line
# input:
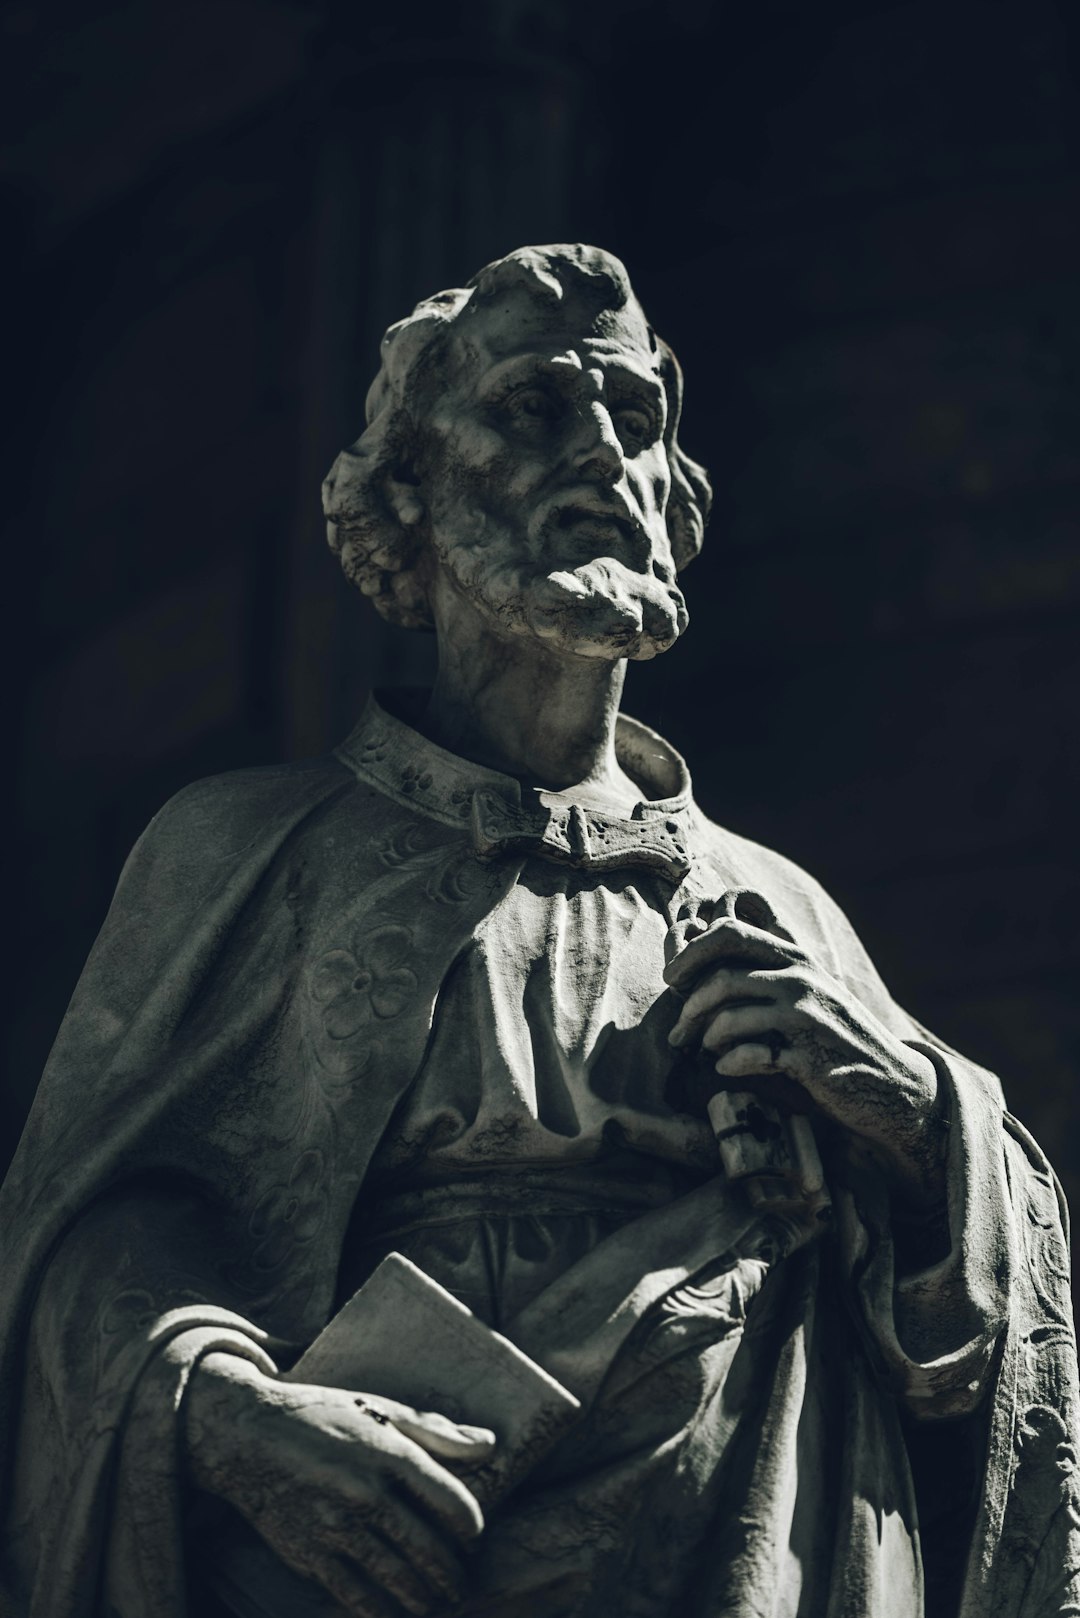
<point x="600" y="453"/>
<point x="340" y="483"/>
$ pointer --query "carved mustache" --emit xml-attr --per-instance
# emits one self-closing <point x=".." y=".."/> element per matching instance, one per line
<point x="568" y="511"/>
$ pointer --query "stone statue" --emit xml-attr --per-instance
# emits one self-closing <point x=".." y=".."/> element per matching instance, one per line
<point x="485" y="990"/>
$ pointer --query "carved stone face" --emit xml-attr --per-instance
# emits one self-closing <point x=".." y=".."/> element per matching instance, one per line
<point x="546" y="479"/>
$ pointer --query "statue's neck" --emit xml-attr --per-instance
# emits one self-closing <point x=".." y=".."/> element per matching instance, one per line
<point x="513" y="704"/>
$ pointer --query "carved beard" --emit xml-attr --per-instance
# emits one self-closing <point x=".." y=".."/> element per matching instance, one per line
<point x="604" y="607"/>
<point x="601" y="608"/>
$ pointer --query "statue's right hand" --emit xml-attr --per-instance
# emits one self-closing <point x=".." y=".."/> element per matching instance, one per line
<point x="344" y="1487"/>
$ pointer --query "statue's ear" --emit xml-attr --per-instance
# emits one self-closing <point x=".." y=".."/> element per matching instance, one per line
<point x="403" y="495"/>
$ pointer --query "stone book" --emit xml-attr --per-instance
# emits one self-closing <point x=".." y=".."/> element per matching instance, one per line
<point x="405" y="1337"/>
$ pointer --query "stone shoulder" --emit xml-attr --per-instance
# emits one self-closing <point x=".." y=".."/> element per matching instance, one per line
<point x="799" y="902"/>
<point x="219" y="815"/>
<point x="729" y="850"/>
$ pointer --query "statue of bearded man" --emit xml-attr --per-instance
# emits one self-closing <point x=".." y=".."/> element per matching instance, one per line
<point x="484" y="1001"/>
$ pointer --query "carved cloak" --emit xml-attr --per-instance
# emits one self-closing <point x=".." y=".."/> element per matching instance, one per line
<point x="195" y="1150"/>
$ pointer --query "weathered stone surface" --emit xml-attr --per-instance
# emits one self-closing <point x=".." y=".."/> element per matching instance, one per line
<point x="466" y="990"/>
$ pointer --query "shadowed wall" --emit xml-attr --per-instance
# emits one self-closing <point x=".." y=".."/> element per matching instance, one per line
<point x="858" y="231"/>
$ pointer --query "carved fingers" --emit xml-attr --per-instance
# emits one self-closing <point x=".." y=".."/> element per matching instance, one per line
<point x="420" y="1481"/>
<point x="732" y="1003"/>
<point x="433" y="1560"/>
<point x="377" y="1584"/>
<point x="730" y="942"/>
<point x="399" y="1516"/>
<point x="452" y="1440"/>
<point x="738" y="981"/>
<point x="390" y="1535"/>
<point x="776" y="1021"/>
<point x="343" y="1487"/>
<point x="370" y="1548"/>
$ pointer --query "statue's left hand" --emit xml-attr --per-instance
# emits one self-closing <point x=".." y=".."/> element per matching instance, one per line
<point x="788" y="1029"/>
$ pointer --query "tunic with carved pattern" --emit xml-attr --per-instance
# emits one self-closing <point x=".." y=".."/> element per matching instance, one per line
<point x="372" y="1001"/>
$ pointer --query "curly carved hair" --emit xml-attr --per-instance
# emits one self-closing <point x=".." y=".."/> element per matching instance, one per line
<point x="378" y="553"/>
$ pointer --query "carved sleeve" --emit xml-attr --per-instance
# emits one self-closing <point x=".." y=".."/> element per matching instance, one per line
<point x="129" y="1303"/>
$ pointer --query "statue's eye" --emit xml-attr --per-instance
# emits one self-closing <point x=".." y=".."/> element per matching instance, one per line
<point x="532" y="405"/>
<point x="634" y="426"/>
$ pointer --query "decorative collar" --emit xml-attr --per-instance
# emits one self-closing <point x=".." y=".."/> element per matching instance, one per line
<point x="393" y="757"/>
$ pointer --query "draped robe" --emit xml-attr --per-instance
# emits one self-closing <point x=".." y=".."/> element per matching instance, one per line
<point x="251" y="1022"/>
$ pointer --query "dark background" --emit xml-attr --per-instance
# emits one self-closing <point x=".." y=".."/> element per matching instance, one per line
<point x="858" y="227"/>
